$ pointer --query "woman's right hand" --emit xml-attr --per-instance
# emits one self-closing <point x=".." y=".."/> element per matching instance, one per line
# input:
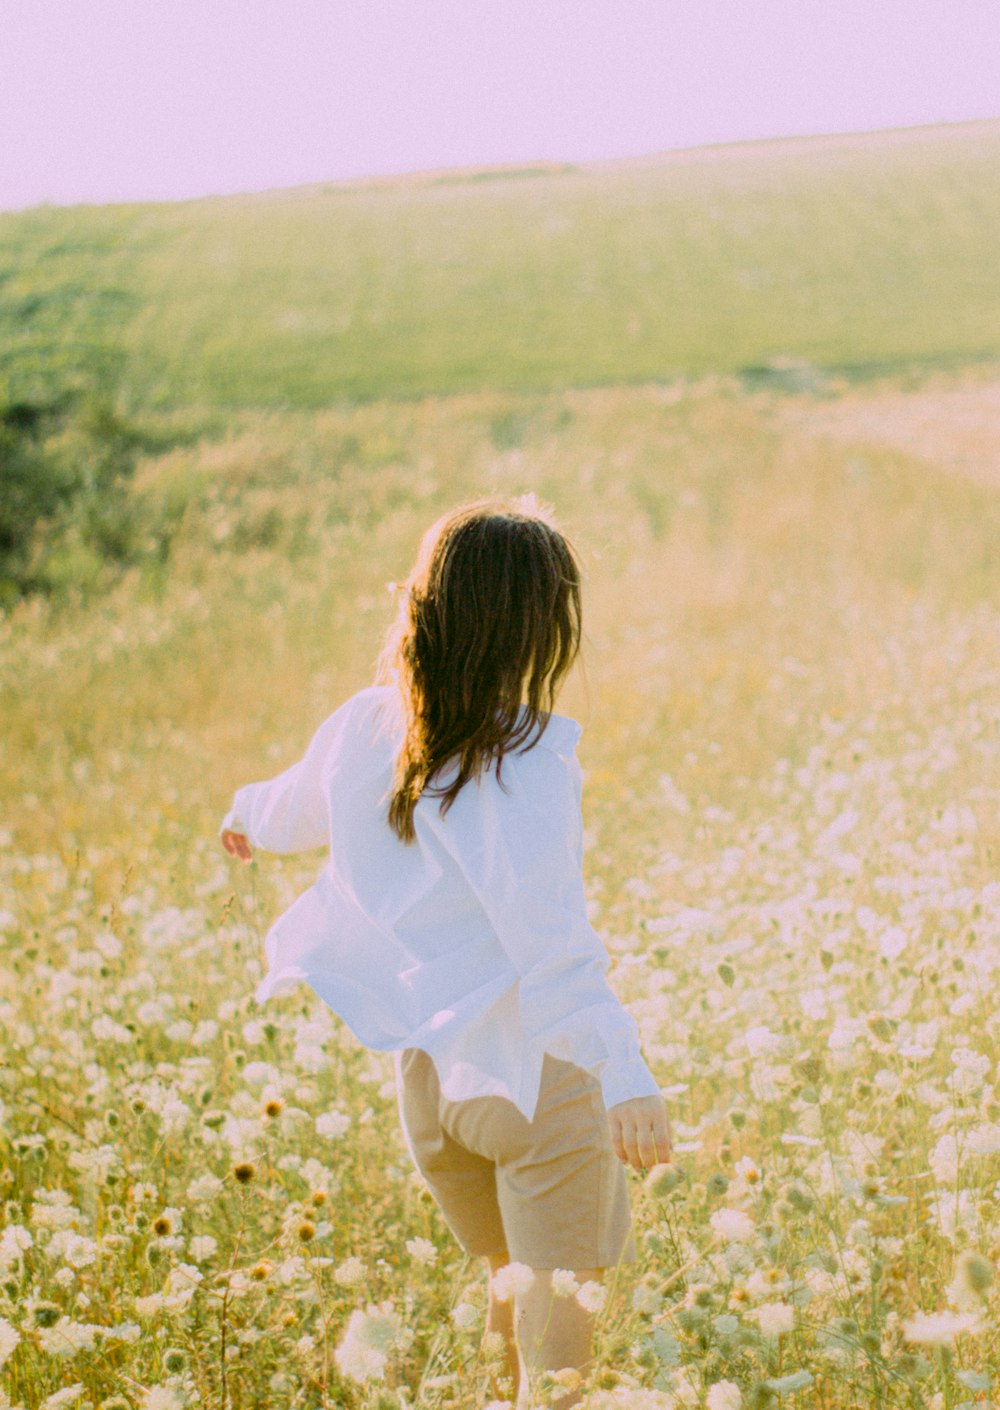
<point x="640" y="1132"/>
<point x="237" y="846"/>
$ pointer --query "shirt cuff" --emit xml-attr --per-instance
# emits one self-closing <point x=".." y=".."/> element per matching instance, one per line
<point x="231" y="823"/>
<point x="623" y="1081"/>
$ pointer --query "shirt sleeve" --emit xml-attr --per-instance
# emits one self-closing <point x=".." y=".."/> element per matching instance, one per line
<point x="522" y="852"/>
<point x="289" y="813"/>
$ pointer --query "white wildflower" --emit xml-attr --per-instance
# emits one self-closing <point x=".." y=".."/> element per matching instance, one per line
<point x="291" y="1269"/>
<point x="319" y="1176"/>
<point x="564" y="1284"/>
<point x="161" y="1398"/>
<point x="350" y="1273"/>
<point x="182" y="1280"/>
<point x="512" y="1280"/>
<point x="765" y="1282"/>
<point x="108" y="944"/>
<point x="332" y="1124"/>
<point x="760" y="1041"/>
<point x="591" y="1295"/>
<point x="775" y="1318"/>
<point x="748" y="1172"/>
<point x="941" y="1328"/>
<point x="422" y="1251"/>
<point x="128" y="1332"/>
<point x="983" y="1140"/>
<point x="106" y="1030"/>
<point x="892" y="943"/>
<point x="148" y="1306"/>
<point x="175" y="1115"/>
<point x="53" y="1209"/>
<point x="9" y="1338"/>
<point x="97" y="1163"/>
<point x="14" y="1241"/>
<point x="732" y="1224"/>
<point x="956" y="1212"/>
<point x="944" y="1160"/>
<point x="67" y="1337"/>
<point x="75" y="1249"/>
<point x="205" y="1189"/>
<point x="368" y="1339"/>
<point x="970" y="1069"/>
<point x="724" y="1395"/>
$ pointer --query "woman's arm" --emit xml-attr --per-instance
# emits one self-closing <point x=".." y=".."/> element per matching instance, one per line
<point x="287" y="813"/>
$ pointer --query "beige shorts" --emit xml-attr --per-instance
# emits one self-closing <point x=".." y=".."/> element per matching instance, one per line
<point x="550" y="1191"/>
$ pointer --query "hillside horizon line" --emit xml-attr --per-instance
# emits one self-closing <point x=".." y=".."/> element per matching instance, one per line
<point x="528" y="167"/>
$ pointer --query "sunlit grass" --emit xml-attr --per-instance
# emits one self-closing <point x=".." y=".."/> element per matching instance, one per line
<point x="784" y="261"/>
<point x="791" y="753"/>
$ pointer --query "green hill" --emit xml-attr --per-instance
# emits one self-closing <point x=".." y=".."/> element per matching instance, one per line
<point x="856" y="254"/>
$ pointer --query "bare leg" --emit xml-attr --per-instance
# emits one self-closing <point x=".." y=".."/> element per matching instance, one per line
<point x="500" y="1318"/>
<point x="556" y="1332"/>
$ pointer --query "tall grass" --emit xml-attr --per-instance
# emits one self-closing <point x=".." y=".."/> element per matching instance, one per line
<point x="791" y="805"/>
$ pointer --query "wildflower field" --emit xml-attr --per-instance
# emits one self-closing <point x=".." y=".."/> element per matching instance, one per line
<point x="791" y="754"/>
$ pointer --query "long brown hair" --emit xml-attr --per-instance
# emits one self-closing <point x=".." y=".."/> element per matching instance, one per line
<point x="489" y="614"/>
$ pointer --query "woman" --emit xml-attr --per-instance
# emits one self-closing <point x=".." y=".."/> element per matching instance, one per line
<point x="449" y="923"/>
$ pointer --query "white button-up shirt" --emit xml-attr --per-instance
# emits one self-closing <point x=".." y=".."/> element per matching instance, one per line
<point x="472" y="942"/>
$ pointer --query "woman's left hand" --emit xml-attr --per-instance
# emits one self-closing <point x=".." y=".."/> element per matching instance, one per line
<point x="640" y="1132"/>
<point x="237" y="846"/>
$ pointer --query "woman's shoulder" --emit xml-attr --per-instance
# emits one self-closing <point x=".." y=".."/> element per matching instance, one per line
<point x="560" y="735"/>
<point x="358" y="711"/>
<point x="371" y="696"/>
<point x="375" y="710"/>
<point x="365" y="701"/>
<point x="547" y="766"/>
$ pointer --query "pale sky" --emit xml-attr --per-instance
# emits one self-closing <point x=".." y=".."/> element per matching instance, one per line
<point x="115" y="100"/>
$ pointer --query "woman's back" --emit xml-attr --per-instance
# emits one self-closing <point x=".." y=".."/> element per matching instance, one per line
<point x="423" y="944"/>
<point x="420" y="892"/>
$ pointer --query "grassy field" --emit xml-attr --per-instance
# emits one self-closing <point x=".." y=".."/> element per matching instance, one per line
<point x="792" y="664"/>
<point x="791" y="802"/>
<point x="853" y="255"/>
